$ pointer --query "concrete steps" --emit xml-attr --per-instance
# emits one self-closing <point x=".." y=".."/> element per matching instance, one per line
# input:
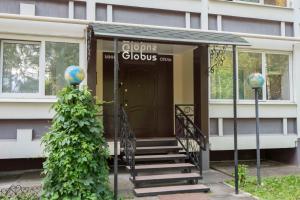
<point x="169" y="141"/>
<point x="161" y="168"/>
<point x="163" y="157"/>
<point x="166" y="178"/>
<point x="158" y="149"/>
<point x="172" y="166"/>
<point x="152" y="191"/>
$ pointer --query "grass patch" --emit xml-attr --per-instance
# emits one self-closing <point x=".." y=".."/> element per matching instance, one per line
<point x="273" y="188"/>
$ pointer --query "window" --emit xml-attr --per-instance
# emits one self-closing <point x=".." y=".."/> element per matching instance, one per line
<point x="275" y="67"/>
<point x="59" y="56"/>
<point x="281" y="3"/>
<point x="248" y="63"/>
<point x="252" y="1"/>
<point x="221" y="79"/>
<point x="277" y="79"/>
<point x="20" y="67"/>
<point x="35" y="69"/>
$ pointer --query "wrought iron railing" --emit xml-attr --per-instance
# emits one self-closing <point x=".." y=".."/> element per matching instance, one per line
<point x="128" y="142"/>
<point x="189" y="135"/>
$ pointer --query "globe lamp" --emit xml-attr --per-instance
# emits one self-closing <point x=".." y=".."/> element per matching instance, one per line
<point x="256" y="80"/>
<point x="74" y="75"/>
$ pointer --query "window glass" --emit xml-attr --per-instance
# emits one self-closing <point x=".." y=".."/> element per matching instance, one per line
<point x="59" y="56"/>
<point x="282" y="3"/>
<point x="277" y="77"/>
<point x="221" y="79"/>
<point x="252" y="1"/>
<point x="20" y="72"/>
<point x="248" y="63"/>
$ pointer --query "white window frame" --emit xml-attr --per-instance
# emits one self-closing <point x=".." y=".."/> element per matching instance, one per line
<point x="36" y="97"/>
<point x="264" y="65"/>
<point x="290" y="72"/>
<point x="262" y="70"/>
<point x="80" y="62"/>
<point x="16" y="95"/>
<point x="209" y="79"/>
<point x="262" y="2"/>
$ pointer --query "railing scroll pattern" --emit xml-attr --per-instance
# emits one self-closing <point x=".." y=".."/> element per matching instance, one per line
<point x="127" y="142"/>
<point x="189" y="135"/>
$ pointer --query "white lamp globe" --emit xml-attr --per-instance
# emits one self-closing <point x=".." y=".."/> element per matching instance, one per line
<point x="256" y="80"/>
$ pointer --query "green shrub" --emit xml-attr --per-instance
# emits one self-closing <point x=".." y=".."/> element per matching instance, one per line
<point x="243" y="174"/>
<point x="76" y="165"/>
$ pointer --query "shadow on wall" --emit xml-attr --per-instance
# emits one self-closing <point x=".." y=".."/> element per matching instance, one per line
<point x="9" y="127"/>
<point x="21" y="164"/>
<point x="287" y="156"/>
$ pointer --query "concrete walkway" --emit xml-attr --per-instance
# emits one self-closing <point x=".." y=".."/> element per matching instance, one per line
<point x="211" y="178"/>
<point x="268" y="168"/>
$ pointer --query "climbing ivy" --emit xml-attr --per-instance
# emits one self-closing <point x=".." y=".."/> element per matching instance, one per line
<point x="76" y="166"/>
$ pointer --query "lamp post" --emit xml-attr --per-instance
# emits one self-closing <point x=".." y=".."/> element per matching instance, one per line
<point x="256" y="82"/>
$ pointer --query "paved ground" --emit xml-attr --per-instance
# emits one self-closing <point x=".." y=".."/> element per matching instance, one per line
<point x="268" y="168"/>
<point x="212" y="178"/>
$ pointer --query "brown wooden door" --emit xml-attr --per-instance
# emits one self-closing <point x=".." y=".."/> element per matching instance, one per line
<point x="139" y="98"/>
<point x="146" y="93"/>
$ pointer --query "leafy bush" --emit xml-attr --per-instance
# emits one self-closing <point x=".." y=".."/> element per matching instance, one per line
<point x="243" y="174"/>
<point x="76" y="167"/>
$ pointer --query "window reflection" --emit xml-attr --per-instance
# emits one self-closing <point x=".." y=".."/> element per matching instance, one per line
<point x="59" y="56"/>
<point x="20" y="73"/>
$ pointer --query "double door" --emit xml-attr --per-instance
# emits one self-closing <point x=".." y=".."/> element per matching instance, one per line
<point x="146" y="93"/>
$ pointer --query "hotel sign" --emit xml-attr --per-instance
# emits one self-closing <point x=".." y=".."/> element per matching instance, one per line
<point x="139" y="51"/>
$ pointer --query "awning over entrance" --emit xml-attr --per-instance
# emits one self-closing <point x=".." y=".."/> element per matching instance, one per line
<point x="175" y="35"/>
<point x="201" y="39"/>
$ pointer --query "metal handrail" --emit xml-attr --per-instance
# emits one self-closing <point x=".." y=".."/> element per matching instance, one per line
<point x="127" y="142"/>
<point x="189" y="135"/>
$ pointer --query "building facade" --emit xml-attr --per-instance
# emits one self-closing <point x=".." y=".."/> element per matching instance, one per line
<point x="40" y="38"/>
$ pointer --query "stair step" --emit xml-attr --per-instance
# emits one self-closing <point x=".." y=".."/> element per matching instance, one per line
<point x="163" y="166"/>
<point x="166" y="177"/>
<point x="157" y="149"/>
<point x="167" y="141"/>
<point x="163" y="157"/>
<point x="152" y="191"/>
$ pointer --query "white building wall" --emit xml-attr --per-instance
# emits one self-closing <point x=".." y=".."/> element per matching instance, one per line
<point x="54" y="29"/>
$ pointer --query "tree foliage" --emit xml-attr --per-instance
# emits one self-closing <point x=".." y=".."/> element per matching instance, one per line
<point x="20" y="68"/>
<point x="76" y="167"/>
<point x="59" y="54"/>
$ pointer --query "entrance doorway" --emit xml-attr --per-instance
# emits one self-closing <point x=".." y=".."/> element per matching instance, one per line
<point x="146" y="93"/>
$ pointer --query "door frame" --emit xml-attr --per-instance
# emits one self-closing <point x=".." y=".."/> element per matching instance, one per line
<point x="108" y="61"/>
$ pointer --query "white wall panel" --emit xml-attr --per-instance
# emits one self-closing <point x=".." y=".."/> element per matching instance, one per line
<point x="247" y="110"/>
<point x="180" y="5"/>
<point x="249" y="142"/>
<point x="29" y="27"/>
<point x="250" y="11"/>
<point x="26" y="110"/>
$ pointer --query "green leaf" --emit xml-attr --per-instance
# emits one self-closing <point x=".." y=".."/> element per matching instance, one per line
<point x="76" y="166"/>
